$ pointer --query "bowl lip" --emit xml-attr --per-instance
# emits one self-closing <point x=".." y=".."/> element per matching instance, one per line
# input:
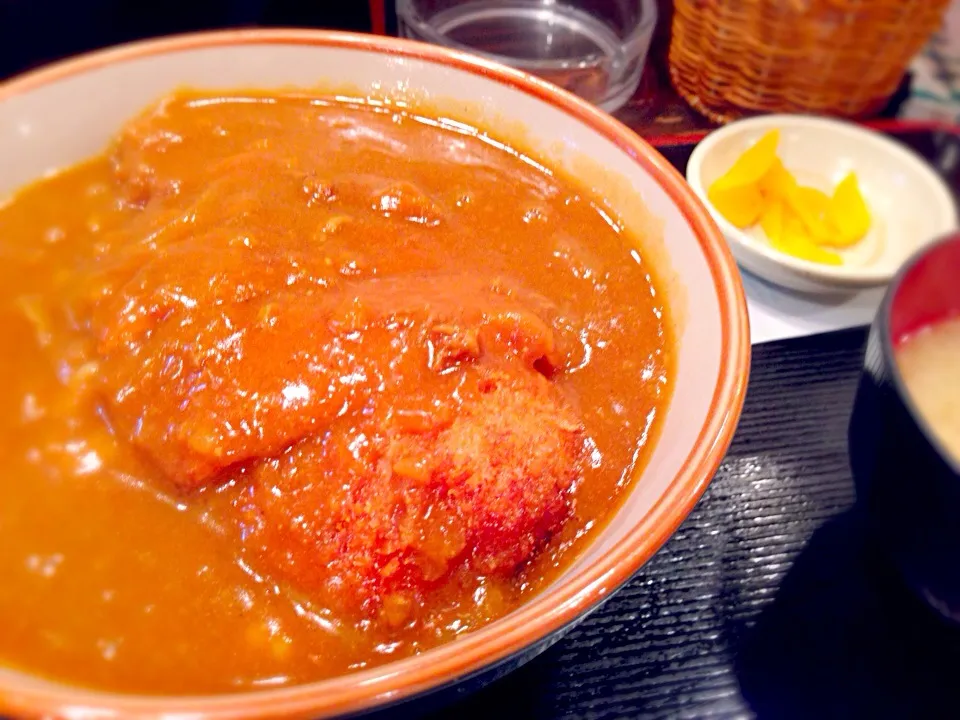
<point x="545" y="613"/>
<point x="641" y="34"/>
<point x="888" y="345"/>
<point x="841" y="277"/>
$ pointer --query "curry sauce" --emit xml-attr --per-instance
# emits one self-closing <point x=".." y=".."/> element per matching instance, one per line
<point x="297" y="386"/>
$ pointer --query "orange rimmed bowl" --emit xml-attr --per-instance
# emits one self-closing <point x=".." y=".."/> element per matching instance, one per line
<point x="59" y="115"/>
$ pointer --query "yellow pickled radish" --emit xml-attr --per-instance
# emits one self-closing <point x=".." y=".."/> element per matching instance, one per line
<point x="814" y="202"/>
<point x="813" y="252"/>
<point x="794" y="231"/>
<point x="797" y="242"/>
<point x="753" y="164"/>
<point x="741" y="205"/>
<point x="798" y="220"/>
<point x="777" y="183"/>
<point x="771" y="220"/>
<point x="811" y="207"/>
<point x="848" y="213"/>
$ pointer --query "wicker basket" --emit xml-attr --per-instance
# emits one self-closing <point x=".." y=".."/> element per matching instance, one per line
<point x="730" y="58"/>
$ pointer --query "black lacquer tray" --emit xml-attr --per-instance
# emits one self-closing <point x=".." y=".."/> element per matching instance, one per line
<point x="768" y="602"/>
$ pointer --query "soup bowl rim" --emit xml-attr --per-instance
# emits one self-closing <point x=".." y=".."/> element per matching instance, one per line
<point x="889" y="346"/>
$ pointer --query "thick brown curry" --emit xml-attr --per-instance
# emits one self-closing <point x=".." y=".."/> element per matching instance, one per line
<point x="295" y="387"/>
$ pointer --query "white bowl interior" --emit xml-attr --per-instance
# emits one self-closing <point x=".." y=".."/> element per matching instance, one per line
<point x="60" y="123"/>
<point x="909" y="204"/>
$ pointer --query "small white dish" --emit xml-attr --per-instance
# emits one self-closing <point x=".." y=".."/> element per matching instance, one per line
<point x="909" y="203"/>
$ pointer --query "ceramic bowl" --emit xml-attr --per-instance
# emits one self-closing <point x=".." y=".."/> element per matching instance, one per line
<point x="907" y="482"/>
<point x="64" y="113"/>
<point x="909" y="203"/>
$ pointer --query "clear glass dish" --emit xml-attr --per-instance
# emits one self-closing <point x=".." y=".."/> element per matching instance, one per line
<point x="594" y="48"/>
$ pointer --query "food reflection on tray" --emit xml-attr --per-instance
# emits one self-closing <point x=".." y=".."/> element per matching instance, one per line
<point x="360" y="383"/>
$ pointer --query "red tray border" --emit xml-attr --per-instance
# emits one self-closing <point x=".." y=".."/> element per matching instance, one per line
<point x="889" y="126"/>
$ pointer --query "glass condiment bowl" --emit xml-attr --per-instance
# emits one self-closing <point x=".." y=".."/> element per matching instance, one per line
<point x="594" y="48"/>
